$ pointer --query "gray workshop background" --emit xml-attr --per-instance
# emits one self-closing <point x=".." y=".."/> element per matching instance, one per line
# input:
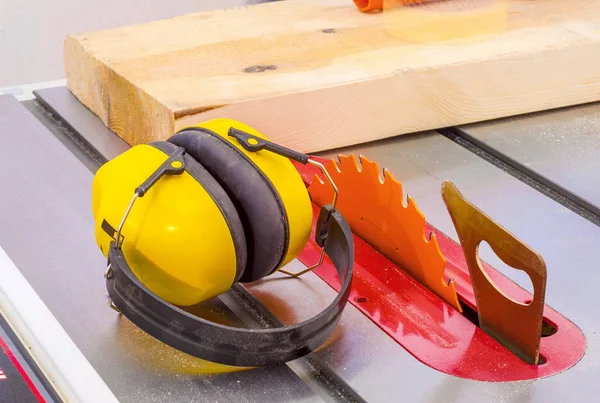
<point x="32" y="31"/>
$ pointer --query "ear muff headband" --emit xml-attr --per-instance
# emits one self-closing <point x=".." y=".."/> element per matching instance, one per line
<point x="226" y="344"/>
<point x="231" y="345"/>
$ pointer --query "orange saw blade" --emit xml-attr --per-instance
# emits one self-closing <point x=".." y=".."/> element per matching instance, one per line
<point x="375" y="211"/>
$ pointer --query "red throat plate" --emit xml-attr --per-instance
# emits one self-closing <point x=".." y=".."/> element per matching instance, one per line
<point x="425" y="324"/>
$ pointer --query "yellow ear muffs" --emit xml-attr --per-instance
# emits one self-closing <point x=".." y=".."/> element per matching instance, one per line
<point x="266" y="189"/>
<point x="184" y="220"/>
<point x="184" y="239"/>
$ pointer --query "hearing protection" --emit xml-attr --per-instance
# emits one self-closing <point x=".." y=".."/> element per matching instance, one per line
<point x="181" y="221"/>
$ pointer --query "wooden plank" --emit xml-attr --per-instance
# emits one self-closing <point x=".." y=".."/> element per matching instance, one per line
<point x="332" y="76"/>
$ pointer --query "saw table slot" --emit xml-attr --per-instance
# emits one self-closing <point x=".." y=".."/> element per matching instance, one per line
<point x="548" y="328"/>
<point x="470" y="312"/>
<point x="429" y="326"/>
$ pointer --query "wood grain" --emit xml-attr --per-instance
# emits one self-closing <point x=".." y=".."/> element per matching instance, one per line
<point x="319" y="74"/>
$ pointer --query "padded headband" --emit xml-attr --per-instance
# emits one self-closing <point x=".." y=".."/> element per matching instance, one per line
<point x="232" y="345"/>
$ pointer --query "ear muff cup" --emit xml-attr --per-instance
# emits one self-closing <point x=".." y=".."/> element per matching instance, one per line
<point x="218" y="194"/>
<point x="257" y="201"/>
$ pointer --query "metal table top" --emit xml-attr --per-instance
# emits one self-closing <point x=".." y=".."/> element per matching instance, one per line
<point x="558" y="147"/>
<point x="367" y="362"/>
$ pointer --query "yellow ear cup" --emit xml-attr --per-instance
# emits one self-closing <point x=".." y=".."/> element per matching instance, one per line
<point x="177" y="239"/>
<point x="284" y="178"/>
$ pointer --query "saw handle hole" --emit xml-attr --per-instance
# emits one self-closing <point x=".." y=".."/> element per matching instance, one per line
<point x="361" y="299"/>
<point x="520" y="277"/>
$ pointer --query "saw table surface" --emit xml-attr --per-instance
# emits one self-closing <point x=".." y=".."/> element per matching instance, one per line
<point x="53" y="145"/>
<point x="560" y="148"/>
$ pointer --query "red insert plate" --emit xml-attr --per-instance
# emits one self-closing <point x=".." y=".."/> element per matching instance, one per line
<point x="433" y="331"/>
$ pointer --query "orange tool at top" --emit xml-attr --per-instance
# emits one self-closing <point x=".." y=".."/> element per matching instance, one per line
<point x="372" y="5"/>
<point x="376" y="213"/>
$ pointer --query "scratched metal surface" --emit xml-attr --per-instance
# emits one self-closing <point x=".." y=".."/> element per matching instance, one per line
<point x="377" y="368"/>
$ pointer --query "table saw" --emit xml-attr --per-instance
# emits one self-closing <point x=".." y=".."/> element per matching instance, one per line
<point x="61" y="340"/>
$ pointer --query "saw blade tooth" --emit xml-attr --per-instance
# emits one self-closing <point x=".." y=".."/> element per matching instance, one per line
<point x="393" y="191"/>
<point x="359" y="162"/>
<point x="394" y="187"/>
<point x="408" y="200"/>
<point x="433" y="241"/>
<point x="369" y="168"/>
<point x="348" y="166"/>
<point x="412" y="206"/>
<point x="386" y="177"/>
<point x="350" y="163"/>
<point x="333" y="166"/>
<point x="386" y="174"/>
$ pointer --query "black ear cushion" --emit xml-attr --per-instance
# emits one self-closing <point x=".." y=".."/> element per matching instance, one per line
<point x="259" y="206"/>
<point x="218" y="194"/>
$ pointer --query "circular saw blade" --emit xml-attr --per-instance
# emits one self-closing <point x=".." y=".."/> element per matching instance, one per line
<point x="376" y="212"/>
